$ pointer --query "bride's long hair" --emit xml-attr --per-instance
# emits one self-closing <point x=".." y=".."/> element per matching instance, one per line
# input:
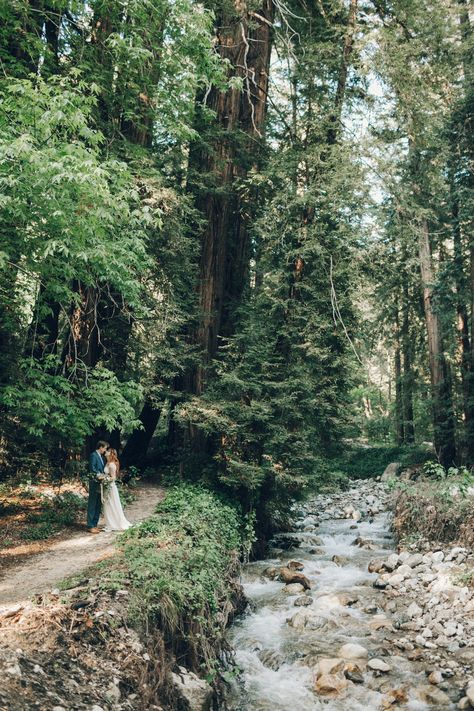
<point x="113" y="457"/>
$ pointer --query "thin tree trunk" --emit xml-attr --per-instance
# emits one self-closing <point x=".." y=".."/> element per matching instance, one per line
<point x="443" y="418"/>
<point x="399" y="424"/>
<point x="407" y="378"/>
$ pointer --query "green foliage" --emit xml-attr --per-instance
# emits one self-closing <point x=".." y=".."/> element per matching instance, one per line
<point x="365" y="462"/>
<point x="57" y="513"/>
<point x="180" y="563"/>
<point x="50" y="404"/>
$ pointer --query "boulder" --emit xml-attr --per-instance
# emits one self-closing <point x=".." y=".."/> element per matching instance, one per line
<point x="391" y="471"/>
<point x="376" y="565"/>
<point x="379" y="665"/>
<point x="271" y="659"/>
<point x="353" y="651"/>
<point x="195" y="693"/>
<point x="414" y="560"/>
<point x="404" y="570"/>
<point x="391" y="563"/>
<point x="293" y="589"/>
<point x="414" y="610"/>
<point x="303" y="601"/>
<point x="330" y="684"/>
<point x="294" y="576"/>
<point x="353" y="672"/>
<point x="395" y="580"/>
<point x="295" y="565"/>
<point x="271" y="572"/>
<point x="329" y="665"/>
<point x="305" y="617"/>
<point x="435" y="677"/>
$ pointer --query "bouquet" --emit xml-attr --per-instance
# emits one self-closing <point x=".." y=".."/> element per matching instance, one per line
<point x="101" y="478"/>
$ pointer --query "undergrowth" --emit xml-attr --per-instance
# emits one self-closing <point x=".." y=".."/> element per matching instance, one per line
<point x="60" y="512"/>
<point x="439" y="510"/>
<point x="182" y="565"/>
<point x="360" y="462"/>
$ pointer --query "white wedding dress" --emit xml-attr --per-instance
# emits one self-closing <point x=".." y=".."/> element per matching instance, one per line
<point x="113" y="513"/>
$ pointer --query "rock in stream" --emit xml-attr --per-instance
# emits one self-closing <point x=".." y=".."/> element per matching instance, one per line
<point x="363" y="626"/>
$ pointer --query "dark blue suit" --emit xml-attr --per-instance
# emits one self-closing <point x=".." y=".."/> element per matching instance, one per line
<point x="94" y="504"/>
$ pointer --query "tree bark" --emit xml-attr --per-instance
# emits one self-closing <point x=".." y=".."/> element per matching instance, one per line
<point x="84" y="346"/>
<point x="407" y="377"/>
<point x="443" y="417"/>
<point x="399" y="418"/>
<point x="335" y="120"/>
<point x="244" y="39"/>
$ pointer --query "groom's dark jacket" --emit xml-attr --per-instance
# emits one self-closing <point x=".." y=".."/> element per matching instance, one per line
<point x="96" y="463"/>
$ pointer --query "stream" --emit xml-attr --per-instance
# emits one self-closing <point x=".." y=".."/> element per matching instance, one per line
<point x="287" y="632"/>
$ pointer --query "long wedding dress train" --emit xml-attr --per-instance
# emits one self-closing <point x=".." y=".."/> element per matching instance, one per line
<point x="113" y="513"/>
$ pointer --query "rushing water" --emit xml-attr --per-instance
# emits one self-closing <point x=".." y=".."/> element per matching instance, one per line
<point x="277" y="661"/>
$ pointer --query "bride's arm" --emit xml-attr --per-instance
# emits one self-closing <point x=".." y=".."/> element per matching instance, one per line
<point x="113" y="471"/>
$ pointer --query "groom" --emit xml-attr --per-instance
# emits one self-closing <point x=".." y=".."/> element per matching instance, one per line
<point x="94" y="504"/>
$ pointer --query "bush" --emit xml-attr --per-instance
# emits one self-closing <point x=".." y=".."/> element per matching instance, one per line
<point x="438" y="511"/>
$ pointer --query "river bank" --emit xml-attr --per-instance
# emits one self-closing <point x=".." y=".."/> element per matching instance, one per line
<point x="369" y="625"/>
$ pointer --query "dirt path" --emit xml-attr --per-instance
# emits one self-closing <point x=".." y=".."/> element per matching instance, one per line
<point x="44" y="571"/>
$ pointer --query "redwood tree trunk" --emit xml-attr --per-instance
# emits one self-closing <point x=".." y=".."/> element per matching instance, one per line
<point x="244" y="39"/>
<point x="135" y="450"/>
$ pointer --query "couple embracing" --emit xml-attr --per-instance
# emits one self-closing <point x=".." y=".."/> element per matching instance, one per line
<point x="104" y="467"/>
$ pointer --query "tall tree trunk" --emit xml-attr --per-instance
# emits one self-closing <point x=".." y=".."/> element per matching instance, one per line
<point x="466" y="133"/>
<point x="443" y="417"/>
<point x="462" y="314"/>
<point x="84" y="347"/>
<point x="135" y="451"/>
<point x="244" y="39"/>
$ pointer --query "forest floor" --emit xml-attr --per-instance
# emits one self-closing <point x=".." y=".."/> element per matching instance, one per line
<point x="36" y="571"/>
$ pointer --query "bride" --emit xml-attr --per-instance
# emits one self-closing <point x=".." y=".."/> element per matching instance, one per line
<point x="113" y="512"/>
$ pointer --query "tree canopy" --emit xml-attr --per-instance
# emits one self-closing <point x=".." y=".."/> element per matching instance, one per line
<point x="234" y="236"/>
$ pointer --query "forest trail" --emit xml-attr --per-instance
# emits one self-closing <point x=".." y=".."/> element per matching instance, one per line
<point x="68" y="557"/>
